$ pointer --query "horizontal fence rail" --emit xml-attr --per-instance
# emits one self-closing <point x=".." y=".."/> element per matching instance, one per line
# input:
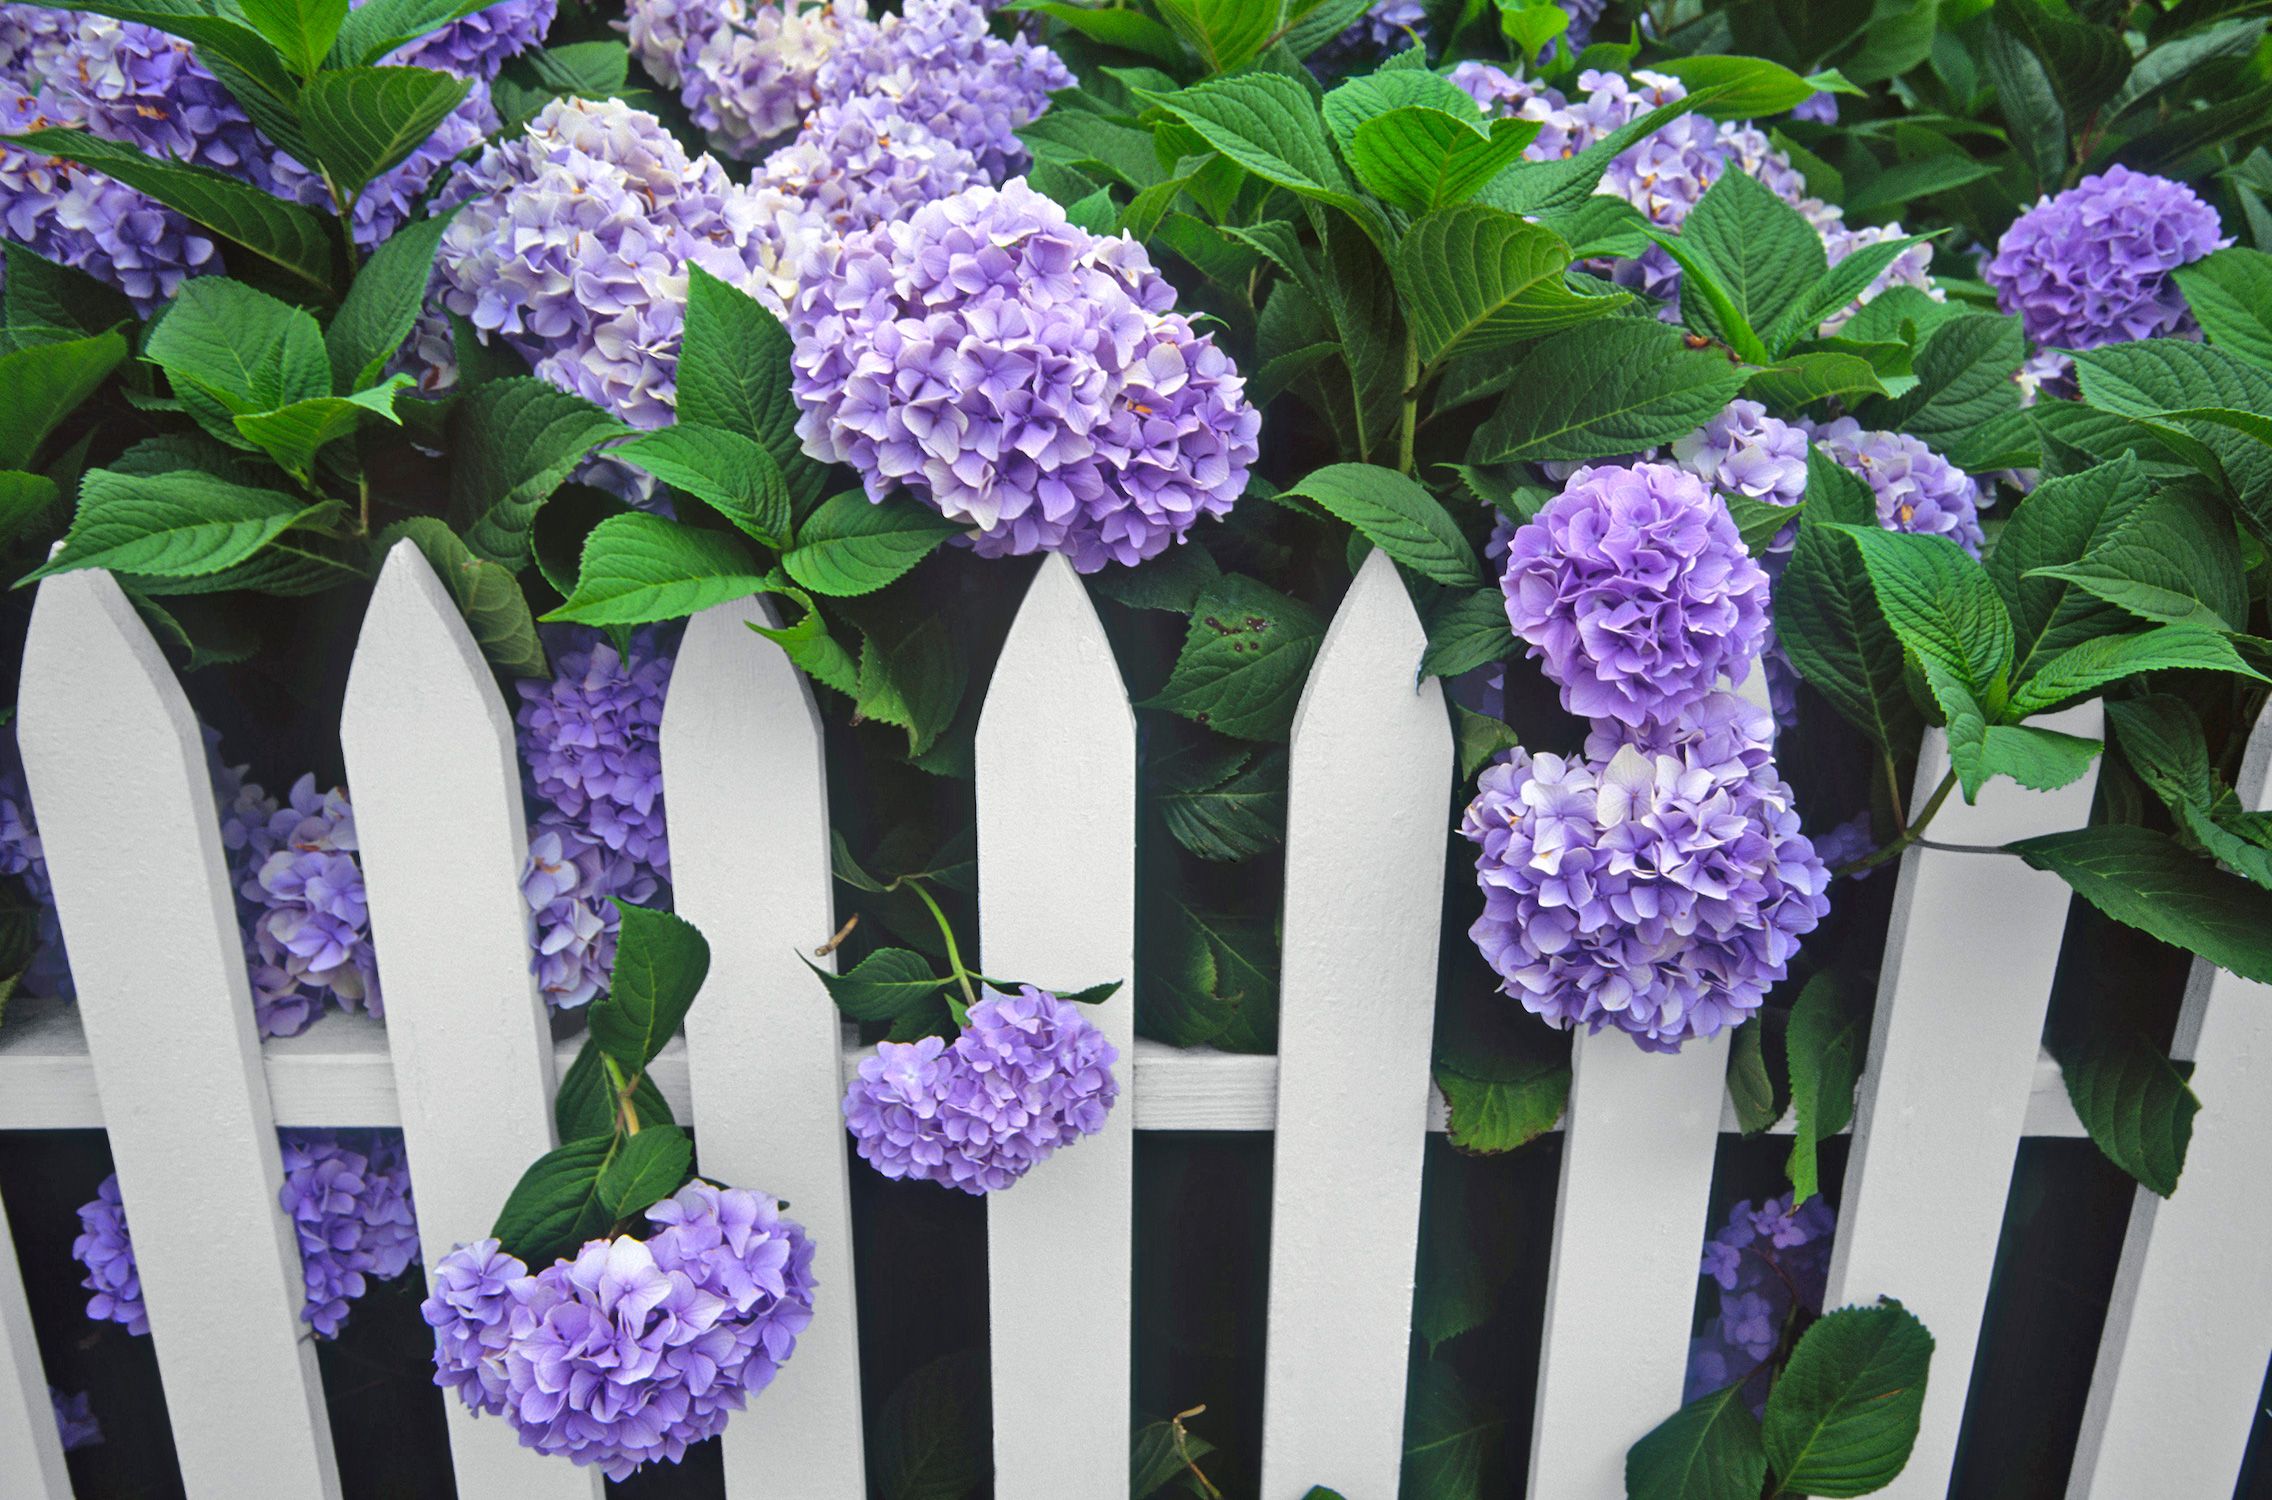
<point x="161" y="1052"/>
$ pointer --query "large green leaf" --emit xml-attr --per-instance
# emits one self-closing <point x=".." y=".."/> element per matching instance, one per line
<point x="302" y="30"/>
<point x="238" y="349"/>
<point x="374" y="29"/>
<point x="1842" y="1417"/>
<point x="1244" y="661"/>
<point x="44" y="303"/>
<point x="584" y="1104"/>
<point x="2146" y="880"/>
<point x="2033" y="115"/>
<point x="487" y="595"/>
<point x="1612" y="387"/>
<point x="1964" y="377"/>
<point x="1466" y="630"/>
<point x="2063" y="521"/>
<point x="1268" y="124"/>
<point x="912" y="677"/>
<point x="1758" y="247"/>
<point x="1743" y="87"/>
<point x="2230" y="293"/>
<point x="638" y="568"/>
<point x="808" y="644"/>
<point x="1560" y="184"/>
<point x="733" y="372"/>
<point x="1941" y="604"/>
<point x="180" y="525"/>
<point x="731" y="473"/>
<point x="1225" y="33"/>
<point x="1223" y="802"/>
<point x="2093" y="664"/>
<point x="1501" y="1091"/>
<point x="851" y="545"/>
<point x="45" y="383"/>
<point x="1835" y="293"/>
<point x="1824" y="1045"/>
<point x="293" y="435"/>
<point x="1420" y="158"/>
<point x="1476" y="279"/>
<point x="361" y="122"/>
<point x="930" y="1440"/>
<point x="1398" y="515"/>
<point x="660" y="963"/>
<point x="2135" y="1103"/>
<point x="646" y="1169"/>
<point x="383" y="303"/>
<point x="2085" y="63"/>
<point x="514" y="441"/>
<point x="886" y="985"/>
<point x="1827" y="615"/>
<point x="556" y="1206"/>
<point x="1708" y="1450"/>
<point x="1451" y="1441"/>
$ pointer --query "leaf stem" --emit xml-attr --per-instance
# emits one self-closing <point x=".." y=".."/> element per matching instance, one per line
<point x="626" y="1100"/>
<point x="1893" y="791"/>
<point x="1908" y="835"/>
<point x="1411" y="423"/>
<point x="946" y="933"/>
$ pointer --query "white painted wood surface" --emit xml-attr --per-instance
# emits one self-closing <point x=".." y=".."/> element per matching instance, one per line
<point x="748" y="810"/>
<point x="1368" y="792"/>
<point x="116" y="766"/>
<point x="31" y="1452"/>
<point x="1057" y="876"/>
<point x="2189" y="1327"/>
<point x="1629" y="1226"/>
<point x="431" y="767"/>
<point x="1970" y="956"/>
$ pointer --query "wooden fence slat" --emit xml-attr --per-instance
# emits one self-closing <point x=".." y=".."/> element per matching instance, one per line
<point x="1366" y="836"/>
<point x="1969" y="960"/>
<point x="437" y="790"/>
<point x="2189" y="1327"/>
<point x="31" y="1452"/>
<point x="1057" y="908"/>
<point x="1629" y="1224"/>
<point x="117" y="767"/>
<point x="748" y="802"/>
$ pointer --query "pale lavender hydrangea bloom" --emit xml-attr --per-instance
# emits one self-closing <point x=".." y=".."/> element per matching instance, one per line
<point x="636" y="1349"/>
<point x="939" y="65"/>
<point x="2091" y="266"/>
<point x="1768" y="1262"/>
<point x="571" y="885"/>
<point x="1633" y="589"/>
<point x="860" y="163"/>
<point x="1028" y="1074"/>
<point x="132" y="83"/>
<point x="591" y="740"/>
<point x="391" y="199"/>
<point x="75" y="1423"/>
<point x="348" y="1196"/>
<point x="1917" y="490"/>
<point x="479" y="45"/>
<point x="574" y="243"/>
<point x="1744" y="451"/>
<point x="1022" y="375"/>
<point x="107" y="1251"/>
<point x="746" y="70"/>
<point x="1660" y="893"/>
<point x="307" y="922"/>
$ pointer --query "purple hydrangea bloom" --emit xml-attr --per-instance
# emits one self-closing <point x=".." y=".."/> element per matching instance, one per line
<point x="479" y="45"/>
<point x="1028" y="1074"/>
<point x="746" y="70"/>
<point x="1818" y="108"/>
<point x="939" y="65"/>
<point x="570" y="885"/>
<point x="1849" y="841"/>
<point x="856" y="164"/>
<point x="348" y="1196"/>
<point x="1635" y="591"/>
<point x="2091" y="265"/>
<point x="1917" y="490"/>
<point x="75" y="1422"/>
<point x="1769" y="1262"/>
<point x="1020" y="374"/>
<point x="1660" y="893"/>
<point x="1390" y="26"/>
<point x="307" y="923"/>
<point x="636" y="1349"/>
<point x="591" y="740"/>
<point x="22" y="855"/>
<point x="390" y="200"/>
<point x="107" y="1251"/>
<point x="132" y="83"/>
<point x="1744" y="451"/>
<point x="574" y="243"/>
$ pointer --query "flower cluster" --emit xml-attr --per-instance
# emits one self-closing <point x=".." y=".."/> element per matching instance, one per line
<point x="1917" y="490"/>
<point x="855" y="164"/>
<point x="300" y="889"/>
<point x="1635" y="591"/>
<point x="347" y="1194"/>
<point x="746" y="70"/>
<point x="1028" y="1074"/>
<point x="937" y="63"/>
<point x="75" y="1423"/>
<point x="1020" y="374"/>
<point x="1662" y="891"/>
<point x="636" y="1349"/>
<point x="574" y="243"/>
<point x="590" y="740"/>
<point x="48" y="971"/>
<point x="2091" y="265"/>
<point x="1744" y="451"/>
<point x="1769" y="1262"/>
<point x="479" y="45"/>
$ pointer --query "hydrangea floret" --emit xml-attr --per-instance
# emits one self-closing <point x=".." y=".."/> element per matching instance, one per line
<point x="1768" y="1263"/>
<point x="1917" y="490"/>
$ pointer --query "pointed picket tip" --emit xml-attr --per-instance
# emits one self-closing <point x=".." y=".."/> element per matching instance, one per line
<point x="721" y="654"/>
<point x="412" y="631"/>
<point x="1376" y="640"/>
<point x="1056" y="665"/>
<point x="85" y="630"/>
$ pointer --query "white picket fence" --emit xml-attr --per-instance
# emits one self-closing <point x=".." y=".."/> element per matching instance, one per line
<point x="161" y="1052"/>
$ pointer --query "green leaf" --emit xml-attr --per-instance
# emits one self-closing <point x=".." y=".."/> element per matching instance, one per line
<point x="2065" y="520"/>
<point x="2230" y="294"/>
<point x="1905" y="182"/>
<point x="1465" y="630"/>
<point x="293" y="435"/>
<point x="383" y="303"/>
<point x="1759" y="522"/>
<point x="649" y="1167"/>
<point x="853" y="546"/>
<point x="1153" y="1458"/>
<point x="1244" y="660"/>
<point x="2135" y="1103"/>
<point x="809" y="645"/>
<point x="1495" y="1114"/>
<point x="1419" y="158"/>
<point x="1825" y="1044"/>
<point x="2041" y="760"/>
<point x="46" y="383"/>
<point x="886" y="985"/>
<point x="1210" y="978"/>
<point x="1843" y="1416"/>
<point x="514" y="441"/>
<point x="362" y="122"/>
<point x="1613" y="387"/>
<point x="288" y="237"/>
<point x="2146" y="880"/>
<point x="556" y="1206"/>
<point x="302" y="30"/>
<point x="2085" y="63"/>
<point x="1757" y="246"/>
<point x="1708" y="1450"/>
<point x="733" y="372"/>
<point x="1131" y="31"/>
<point x="1759" y="1090"/>
<point x="24" y="499"/>
<point x="1835" y="292"/>
<point x="913" y="680"/>
<point x="179" y="525"/>
<point x="584" y="1105"/>
<point x="1223" y="802"/>
<point x="1827" y="617"/>
<point x="1450" y="1441"/>
<point x="1601" y="224"/>
<point x="44" y="303"/>
<point x="1397" y="515"/>
<point x="930" y="1441"/>
<point x="1474" y="1238"/>
<point x="487" y="595"/>
<point x="660" y="963"/>
<point x="1964" y="377"/>
<point x="2092" y="665"/>
<point x="1173" y="580"/>
<point x="2153" y="378"/>
<point x="732" y="474"/>
<point x="379" y="27"/>
<point x="1476" y="279"/>
<point x="230" y="350"/>
<point x="1561" y="184"/>
<point x="639" y="568"/>
<point x="1803" y="378"/>
<point x="1940" y="603"/>
<point x="1746" y="87"/>
<point x="2029" y="103"/>
<point x="1268" y="124"/>
<point x="1480" y="738"/>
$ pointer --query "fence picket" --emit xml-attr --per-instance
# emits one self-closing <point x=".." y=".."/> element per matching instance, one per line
<point x="431" y="765"/>
<point x="743" y="758"/>
<point x="1057" y="907"/>
<point x="1969" y="960"/>
<point x="2190" y="1322"/>
<point x="1365" y="848"/>
<point x="117" y="767"/>
<point x="31" y="1454"/>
